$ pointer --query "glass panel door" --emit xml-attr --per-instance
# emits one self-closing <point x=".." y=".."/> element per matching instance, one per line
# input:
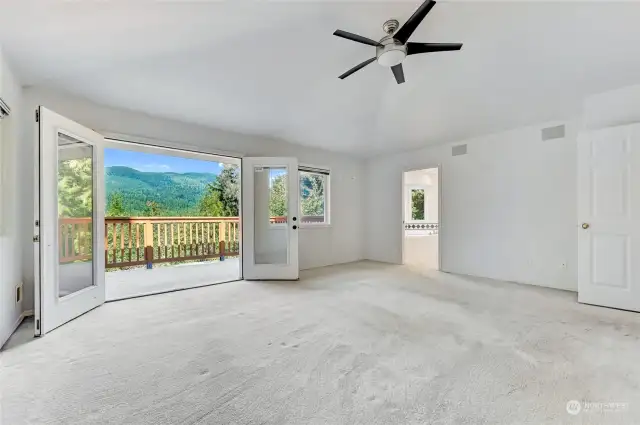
<point x="70" y="222"/>
<point x="75" y="215"/>
<point x="270" y="208"/>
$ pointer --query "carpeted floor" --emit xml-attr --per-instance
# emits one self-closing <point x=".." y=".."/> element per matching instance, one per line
<point x="357" y="344"/>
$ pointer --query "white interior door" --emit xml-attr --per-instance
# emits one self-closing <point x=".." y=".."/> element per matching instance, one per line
<point x="270" y="221"/>
<point x="70" y="222"/>
<point x="609" y="214"/>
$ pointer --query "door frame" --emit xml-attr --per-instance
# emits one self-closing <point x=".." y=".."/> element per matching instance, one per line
<point x="403" y="211"/>
<point x="111" y="142"/>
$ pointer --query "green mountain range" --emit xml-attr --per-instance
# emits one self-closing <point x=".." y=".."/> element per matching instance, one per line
<point x="171" y="194"/>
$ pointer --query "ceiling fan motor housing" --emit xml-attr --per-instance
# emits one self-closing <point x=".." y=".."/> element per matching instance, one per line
<point x="391" y="53"/>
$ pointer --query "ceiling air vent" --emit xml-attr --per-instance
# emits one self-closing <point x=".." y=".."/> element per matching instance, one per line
<point x="459" y="150"/>
<point x="550" y="133"/>
<point x="4" y="109"/>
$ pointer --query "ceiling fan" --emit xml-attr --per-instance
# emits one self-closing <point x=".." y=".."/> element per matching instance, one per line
<point x="393" y="48"/>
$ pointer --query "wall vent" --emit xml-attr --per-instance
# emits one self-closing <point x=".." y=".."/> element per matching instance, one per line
<point x="459" y="150"/>
<point x="550" y="133"/>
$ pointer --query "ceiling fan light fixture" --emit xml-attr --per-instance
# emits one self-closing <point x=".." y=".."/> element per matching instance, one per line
<point x="393" y="48"/>
<point x="391" y="58"/>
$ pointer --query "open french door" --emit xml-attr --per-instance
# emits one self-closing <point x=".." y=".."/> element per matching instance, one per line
<point x="69" y="238"/>
<point x="270" y="192"/>
<point x="609" y="214"/>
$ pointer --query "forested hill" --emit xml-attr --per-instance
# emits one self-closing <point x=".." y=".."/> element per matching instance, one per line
<point x="156" y="193"/>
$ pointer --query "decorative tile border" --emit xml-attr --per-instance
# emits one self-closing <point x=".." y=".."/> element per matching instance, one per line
<point x="421" y="226"/>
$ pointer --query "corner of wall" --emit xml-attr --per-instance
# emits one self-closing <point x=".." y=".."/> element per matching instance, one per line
<point x="10" y="217"/>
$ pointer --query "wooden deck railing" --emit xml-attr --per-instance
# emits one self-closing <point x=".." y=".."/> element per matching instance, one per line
<point x="132" y="241"/>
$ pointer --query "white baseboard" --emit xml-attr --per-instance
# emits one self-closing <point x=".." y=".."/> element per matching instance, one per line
<point x="14" y="327"/>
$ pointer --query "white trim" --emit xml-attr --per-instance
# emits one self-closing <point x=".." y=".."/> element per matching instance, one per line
<point x="37" y="299"/>
<point x="162" y="150"/>
<point x="327" y="197"/>
<point x="15" y="326"/>
<point x="169" y="144"/>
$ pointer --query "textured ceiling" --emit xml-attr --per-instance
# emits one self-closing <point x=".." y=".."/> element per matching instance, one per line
<point x="271" y="67"/>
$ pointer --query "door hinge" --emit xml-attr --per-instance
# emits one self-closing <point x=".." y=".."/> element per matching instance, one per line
<point x="37" y="223"/>
<point x="38" y="324"/>
<point x="37" y="115"/>
<point x="36" y="238"/>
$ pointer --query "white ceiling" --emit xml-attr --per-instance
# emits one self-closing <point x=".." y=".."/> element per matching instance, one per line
<point x="271" y="67"/>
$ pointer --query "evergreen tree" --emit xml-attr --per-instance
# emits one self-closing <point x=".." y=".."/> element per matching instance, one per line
<point x="312" y="194"/>
<point x="278" y="196"/>
<point x="221" y="198"/>
<point x="115" y="205"/>
<point x="153" y="209"/>
<point x="75" y="188"/>
<point x="210" y="204"/>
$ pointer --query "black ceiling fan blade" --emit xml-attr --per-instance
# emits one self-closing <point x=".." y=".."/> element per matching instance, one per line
<point x="398" y="72"/>
<point x="356" y="68"/>
<point x="356" y="37"/>
<point x="403" y="34"/>
<point x="415" y="48"/>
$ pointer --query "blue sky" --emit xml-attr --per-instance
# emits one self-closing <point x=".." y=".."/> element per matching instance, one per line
<point x="158" y="163"/>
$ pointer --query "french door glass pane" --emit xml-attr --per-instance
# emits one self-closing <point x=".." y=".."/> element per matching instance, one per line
<point x="271" y="215"/>
<point x="75" y="215"/>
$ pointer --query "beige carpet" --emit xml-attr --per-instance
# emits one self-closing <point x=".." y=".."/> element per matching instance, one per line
<point x="356" y="344"/>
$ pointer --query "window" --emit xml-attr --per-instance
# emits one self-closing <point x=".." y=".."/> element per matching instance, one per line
<point x="314" y="189"/>
<point x="416" y="204"/>
<point x="277" y="195"/>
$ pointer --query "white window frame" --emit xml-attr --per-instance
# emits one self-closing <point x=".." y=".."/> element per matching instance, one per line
<point x="308" y="168"/>
<point x="409" y="206"/>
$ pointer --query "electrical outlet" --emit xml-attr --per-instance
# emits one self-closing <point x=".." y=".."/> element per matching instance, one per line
<point x="19" y="293"/>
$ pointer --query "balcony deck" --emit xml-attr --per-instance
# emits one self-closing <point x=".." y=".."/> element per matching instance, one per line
<point x="140" y="281"/>
<point x="134" y="282"/>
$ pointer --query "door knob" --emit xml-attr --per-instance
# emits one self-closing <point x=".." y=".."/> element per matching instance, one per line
<point x="295" y="227"/>
<point x="585" y="226"/>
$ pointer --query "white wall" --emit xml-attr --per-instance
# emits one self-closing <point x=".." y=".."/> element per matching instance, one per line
<point x="10" y="189"/>
<point x="612" y="108"/>
<point x="421" y="251"/>
<point x="509" y="206"/>
<point x="339" y="243"/>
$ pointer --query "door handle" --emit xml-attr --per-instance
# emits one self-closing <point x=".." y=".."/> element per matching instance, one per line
<point x="585" y="226"/>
